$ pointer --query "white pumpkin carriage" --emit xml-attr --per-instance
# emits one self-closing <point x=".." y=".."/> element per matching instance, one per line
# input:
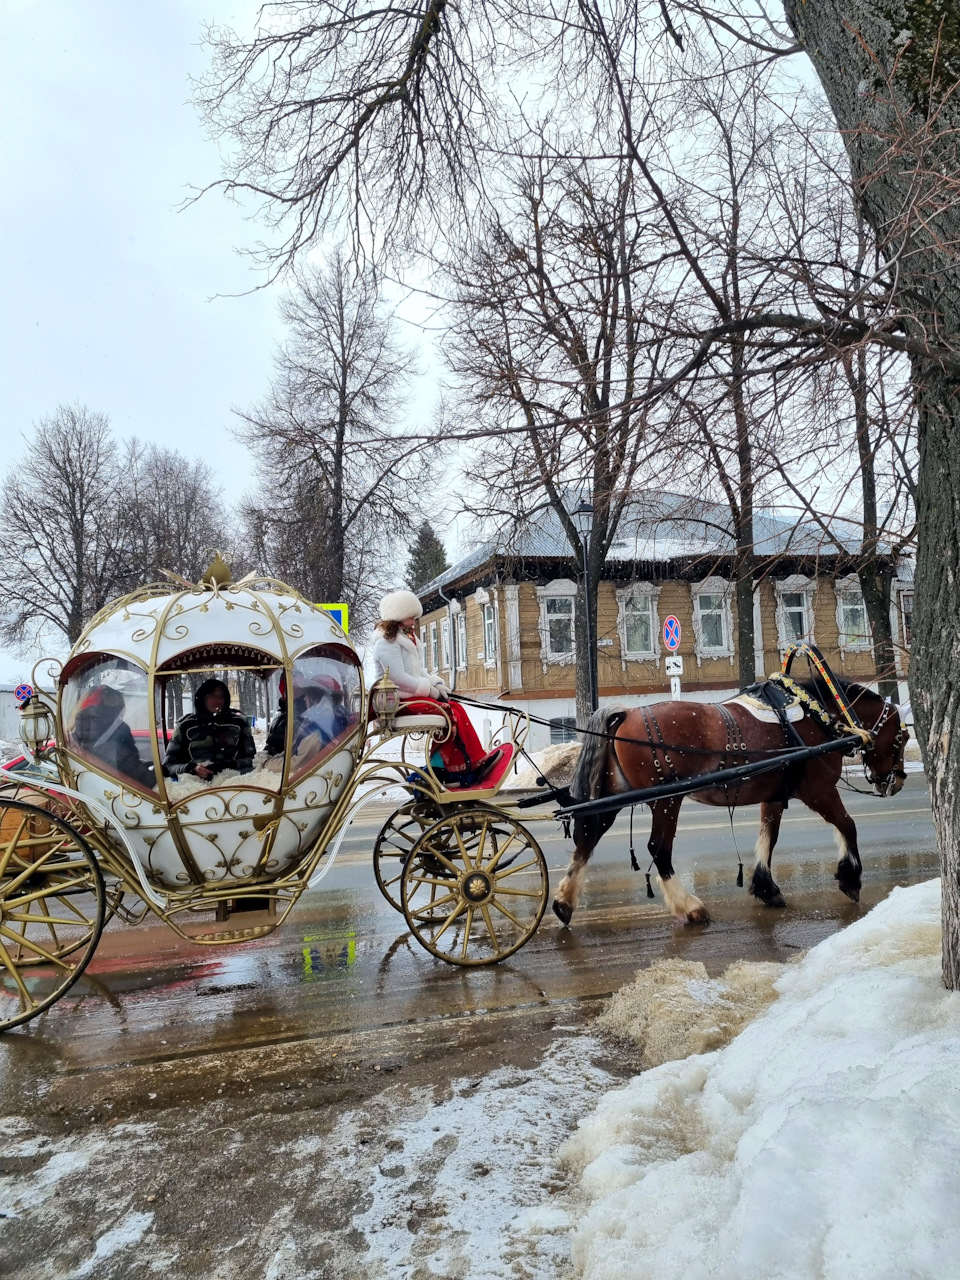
<point x="107" y="831"/>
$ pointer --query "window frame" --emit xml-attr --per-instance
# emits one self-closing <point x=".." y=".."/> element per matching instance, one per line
<point x="849" y="594"/>
<point x="713" y="586"/>
<point x="489" y="620"/>
<point x="558" y="589"/>
<point x="625" y="596"/>
<point x="445" y="662"/>
<point x="460" y="641"/>
<point x="795" y="584"/>
<point x="433" y="648"/>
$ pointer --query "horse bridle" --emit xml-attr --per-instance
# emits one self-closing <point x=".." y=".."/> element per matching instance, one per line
<point x="885" y="781"/>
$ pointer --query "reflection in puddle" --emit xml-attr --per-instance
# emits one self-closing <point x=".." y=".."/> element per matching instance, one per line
<point x="328" y="953"/>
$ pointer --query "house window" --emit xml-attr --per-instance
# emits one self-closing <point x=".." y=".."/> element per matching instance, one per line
<point x="423" y="649"/>
<point x="906" y="612"/>
<point x="794" y="605"/>
<point x="559" y="615"/>
<point x="433" y="646"/>
<point x="563" y="729"/>
<point x="638" y="622"/>
<point x="445" y="664"/>
<point x="489" y="634"/>
<point x="852" y="624"/>
<point x="794" y="610"/>
<point x="713" y="619"/>
<point x="710" y="611"/>
<point x="461" y="631"/>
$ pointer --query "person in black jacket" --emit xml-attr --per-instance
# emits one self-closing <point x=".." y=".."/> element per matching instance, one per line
<point x="99" y="730"/>
<point x="212" y="738"/>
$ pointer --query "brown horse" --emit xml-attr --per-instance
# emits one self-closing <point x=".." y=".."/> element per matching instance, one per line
<point x="629" y="749"/>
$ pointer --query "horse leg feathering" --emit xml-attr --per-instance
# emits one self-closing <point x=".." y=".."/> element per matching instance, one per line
<point x="683" y="906"/>
<point x="588" y="782"/>
<point x="762" y="885"/>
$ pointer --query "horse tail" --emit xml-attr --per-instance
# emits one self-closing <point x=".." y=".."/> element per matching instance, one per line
<point x="593" y="754"/>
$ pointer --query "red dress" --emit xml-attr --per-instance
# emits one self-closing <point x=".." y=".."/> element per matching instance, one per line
<point x="463" y="751"/>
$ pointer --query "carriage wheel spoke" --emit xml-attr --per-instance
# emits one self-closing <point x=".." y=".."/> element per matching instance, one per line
<point x="425" y="913"/>
<point x="26" y="1000"/>
<point x="509" y="914"/>
<point x="490" y="929"/>
<point x="512" y="871"/>
<point x="29" y="943"/>
<point x="518" y="893"/>
<point x="454" y="914"/>
<point x="466" y="933"/>
<point x="492" y="866"/>
<point x="12" y="844"/>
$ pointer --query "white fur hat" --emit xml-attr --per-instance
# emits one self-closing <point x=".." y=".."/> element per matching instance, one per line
<point x="399" y="605"/>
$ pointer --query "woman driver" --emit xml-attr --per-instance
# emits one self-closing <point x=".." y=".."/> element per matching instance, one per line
<point x="396" y="653"/>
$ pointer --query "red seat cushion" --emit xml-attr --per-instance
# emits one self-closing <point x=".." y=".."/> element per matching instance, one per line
<point x="502" y="758"/>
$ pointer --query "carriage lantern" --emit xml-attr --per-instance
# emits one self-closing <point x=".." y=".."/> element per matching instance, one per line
<point x="386" y="699"/>
<point x="36" y="724"/>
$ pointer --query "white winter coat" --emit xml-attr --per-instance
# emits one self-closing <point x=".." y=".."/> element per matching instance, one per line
<point x="400" y="659"/>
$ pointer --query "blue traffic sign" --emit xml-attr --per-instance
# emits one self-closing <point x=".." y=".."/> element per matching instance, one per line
<point x="23" y="693"/>
<point x="671" y="633"/>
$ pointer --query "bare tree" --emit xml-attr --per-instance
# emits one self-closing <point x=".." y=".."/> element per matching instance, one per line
<point x="60" y="550"/>
<point x="173" y="516"/>
<point x="551" y="347"/>
<point x="336" y="475"/>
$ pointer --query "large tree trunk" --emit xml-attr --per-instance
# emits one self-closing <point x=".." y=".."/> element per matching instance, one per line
<point x="855" y="45"/>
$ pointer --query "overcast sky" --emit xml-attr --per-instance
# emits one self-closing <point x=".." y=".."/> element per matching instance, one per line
<point x="110" y="295"/>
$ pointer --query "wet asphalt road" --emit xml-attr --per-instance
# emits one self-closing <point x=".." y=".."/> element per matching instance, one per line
<point x="344" y="965"/>
<point x="339" y="1009"/>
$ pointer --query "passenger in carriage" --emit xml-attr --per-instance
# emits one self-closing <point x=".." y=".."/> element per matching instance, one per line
<point x="277" y="733"/>
<point x="324" y="713"/>
<point x="212" y="738"/>
<point x="397" y="654"/>
<point x="100" y="730"/>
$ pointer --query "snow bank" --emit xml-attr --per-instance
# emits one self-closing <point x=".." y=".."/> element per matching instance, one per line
<point x="673" y="1008"/>
<point x="823" y="1142"/>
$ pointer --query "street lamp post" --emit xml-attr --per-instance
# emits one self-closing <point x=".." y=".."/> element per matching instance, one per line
<point x="582" y="516"/>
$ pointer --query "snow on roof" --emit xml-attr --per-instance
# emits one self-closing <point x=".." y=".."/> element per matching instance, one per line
<point x="659" y="526"/>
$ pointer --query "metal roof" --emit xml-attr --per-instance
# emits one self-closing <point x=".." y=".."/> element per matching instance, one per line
<point x="658" y="526"/>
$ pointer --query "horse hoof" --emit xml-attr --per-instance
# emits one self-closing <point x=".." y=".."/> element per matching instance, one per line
<point x="562" y="911"/>
<point x="699" y="915"/>
<point x="852" y="891"/>
<point x="777" y="900"/>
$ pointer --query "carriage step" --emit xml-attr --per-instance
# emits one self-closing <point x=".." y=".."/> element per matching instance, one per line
<point x="234" y="935"/>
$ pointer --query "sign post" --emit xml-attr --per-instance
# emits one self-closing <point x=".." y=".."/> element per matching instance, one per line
<point x="674" y="663"/>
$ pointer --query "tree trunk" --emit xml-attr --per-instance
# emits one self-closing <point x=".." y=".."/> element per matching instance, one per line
<point x="854" y="47"/>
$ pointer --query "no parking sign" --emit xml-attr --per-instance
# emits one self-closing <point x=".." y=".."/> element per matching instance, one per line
<point x="23" y="693"/>
<point x="671" y="632"/>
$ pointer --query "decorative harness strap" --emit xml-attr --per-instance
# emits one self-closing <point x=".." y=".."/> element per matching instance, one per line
<point x="817" y="660"/>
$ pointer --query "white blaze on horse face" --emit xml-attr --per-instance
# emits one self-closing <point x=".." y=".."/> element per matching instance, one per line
<point x="681" y="903"/>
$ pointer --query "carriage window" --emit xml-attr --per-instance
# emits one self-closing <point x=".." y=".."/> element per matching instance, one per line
<point x="489" y="634"/>
<point x="326" y="687"/>
<point x="559" y="625"/>
<point x="106" y="719"/>
<point x="710" y="610"/>
<point x="461" y="641"/>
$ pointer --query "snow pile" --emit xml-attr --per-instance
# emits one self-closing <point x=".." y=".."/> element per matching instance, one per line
<point x="673" y="1008"/>
<point x="555" y="763"/>
<point x="824" y="1142"/>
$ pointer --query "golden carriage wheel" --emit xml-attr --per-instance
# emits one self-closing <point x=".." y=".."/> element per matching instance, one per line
<point x="52" y="909"/>
<point x="474" y="887"/>
<point x="396" y="838"/>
